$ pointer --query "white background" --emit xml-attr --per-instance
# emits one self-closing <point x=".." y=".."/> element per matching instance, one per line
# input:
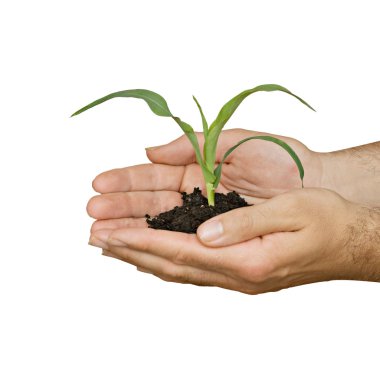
<point x="64" y="303"/>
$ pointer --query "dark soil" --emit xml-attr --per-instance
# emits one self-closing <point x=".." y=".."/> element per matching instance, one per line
<point x="194" y="211"/>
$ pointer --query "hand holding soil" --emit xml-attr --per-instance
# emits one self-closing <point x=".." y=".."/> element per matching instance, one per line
<point x="298" y="237"/>
<point x="257" y="170"/>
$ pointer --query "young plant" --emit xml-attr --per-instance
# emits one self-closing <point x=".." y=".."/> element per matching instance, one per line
<point x="211" y="133"/>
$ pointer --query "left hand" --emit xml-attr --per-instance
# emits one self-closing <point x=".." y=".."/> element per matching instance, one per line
<point x="258" y="170"/>
<point x="299" y="237"/>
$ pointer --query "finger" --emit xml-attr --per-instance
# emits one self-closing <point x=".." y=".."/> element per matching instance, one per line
<point x="279" y="214"/>
<point x="141" y="269"/>
<point x="181" y="248"/>
<point x="132" y="204"/>
<point x="181" y="152"/>
<point x="140" y="178"/>
<point x="118" y="223"/>
<point x="108" y="253"/>
<point x="185" y="249"/>
<point x="160" y="243"/>
<point x="169" y="271"/>
<point x="178" y="247"/>
<point x="177" y="152"/>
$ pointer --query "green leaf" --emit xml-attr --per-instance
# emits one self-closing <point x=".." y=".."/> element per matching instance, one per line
<point x="159" y="106"/>
<point x="204" y="121"/>
<point x="155" y="101"/>
<point x="285" y="146"/>
<point x="189" y="131"/>
<point x="226" y="112"/>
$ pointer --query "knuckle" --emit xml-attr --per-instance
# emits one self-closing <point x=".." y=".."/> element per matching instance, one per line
<point x="265" y="212"/>
<point x="238" y="130"/>
<point x="252" y="217"/>
<point x="180" y="257"/>
<point x="173" y="273"/>
<point x="293" y="206"/>
<point x="96" y="226"/>
<point x="156" y="202"/>
<point x="246" y="221"/>
<point x="292" y="202"/>
<point x="164" y="278"/>
<point x="155" y="175"/>
<point x="125" y="179"/>
<point x="123" y="254"/>
<point x="127" y="198"/>
<point x="145" y="246"/>
<point x="256" y="273"/>
<point x="201" y="279"/>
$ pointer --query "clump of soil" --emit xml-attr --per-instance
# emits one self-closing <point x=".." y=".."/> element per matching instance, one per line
<point x="194" y="211"/>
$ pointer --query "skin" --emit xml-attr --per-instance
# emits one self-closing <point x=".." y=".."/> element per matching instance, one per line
<point x="290" y="237"/>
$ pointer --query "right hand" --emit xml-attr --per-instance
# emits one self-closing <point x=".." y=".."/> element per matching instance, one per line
<point x="257" y="170"/>
<point x="299" y="237"/>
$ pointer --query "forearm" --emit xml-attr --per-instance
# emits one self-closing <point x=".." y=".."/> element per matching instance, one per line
<point x="362" y="245"/>
<point x="354" y="173"/>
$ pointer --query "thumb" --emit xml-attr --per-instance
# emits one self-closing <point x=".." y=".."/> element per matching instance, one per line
<point x="177" y="152"/>
<point x="242" y="224"/>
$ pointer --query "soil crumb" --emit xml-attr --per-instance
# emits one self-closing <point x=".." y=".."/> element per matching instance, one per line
<point x="194" y="211"/>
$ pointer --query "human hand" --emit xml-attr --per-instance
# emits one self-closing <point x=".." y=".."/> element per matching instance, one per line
<point x="299" y="237"/>
<point x="257" y="170"/>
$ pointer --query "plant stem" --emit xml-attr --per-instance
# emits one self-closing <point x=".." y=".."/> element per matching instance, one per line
<point x="210" y="193"/>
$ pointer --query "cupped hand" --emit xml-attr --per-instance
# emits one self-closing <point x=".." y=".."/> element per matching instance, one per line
<point x="299" y="237"/>
<point x="257" y="170"/>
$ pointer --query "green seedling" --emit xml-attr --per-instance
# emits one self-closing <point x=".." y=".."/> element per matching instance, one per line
<point x="211" y="133"/>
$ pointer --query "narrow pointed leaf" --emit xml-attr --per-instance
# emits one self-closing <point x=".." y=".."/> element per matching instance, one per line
<point x="159" y="106"/>
<point x="204" y="121"/>
<point x="189" y="131"/>
<point x="155" y="101"/>
<point x="285" y="146"/>
<point x="226" y="112"/>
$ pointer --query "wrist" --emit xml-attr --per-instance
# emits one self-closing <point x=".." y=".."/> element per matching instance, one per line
<point x="362" y="245"/>
<point x="314" y="169"/>
<point x="353" y="173"/>
<point x="334" y="173"/>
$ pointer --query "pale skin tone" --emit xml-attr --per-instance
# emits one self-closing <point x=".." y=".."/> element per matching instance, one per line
<point x="291" y="236"/>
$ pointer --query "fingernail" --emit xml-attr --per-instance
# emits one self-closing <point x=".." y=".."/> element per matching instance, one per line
<point x="210" y="231"/>
<point x="151" y="148"/>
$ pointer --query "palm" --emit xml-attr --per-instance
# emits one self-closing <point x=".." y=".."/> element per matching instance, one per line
<point x="258" y="169"/>
<point x="263" y="169"/>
